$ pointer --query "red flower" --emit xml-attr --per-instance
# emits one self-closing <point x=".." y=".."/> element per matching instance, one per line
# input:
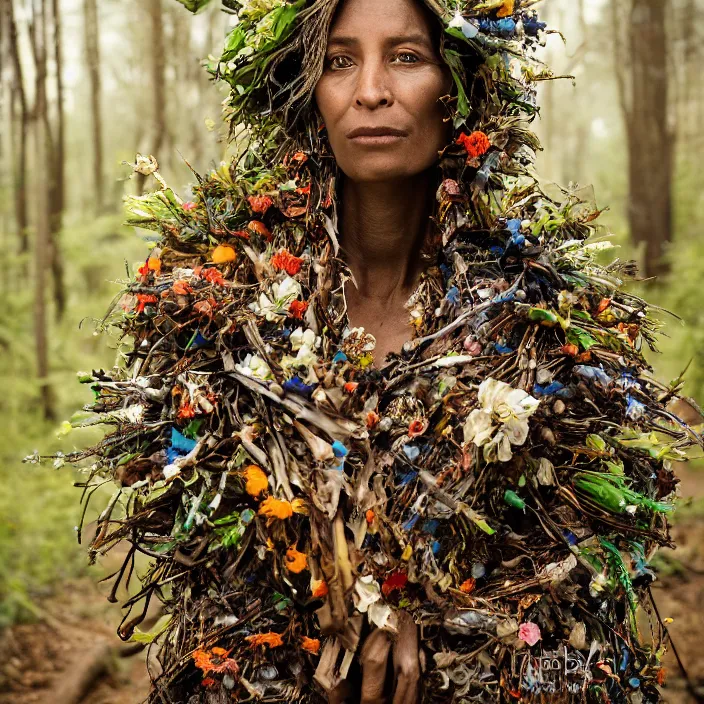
<point x="211" y="274"/>
<point x="304" y="190"/>
<point x="297" y="309"/>
<point x="260" y="204"/>
<point x="476" y="144"/>
<point x="416" y="427"/>
<point x="397" y="580"/>
<point x="143" y="299"/>
<point x="285" y="261"/>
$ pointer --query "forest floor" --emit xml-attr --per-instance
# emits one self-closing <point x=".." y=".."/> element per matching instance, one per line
<point x="72" y="655"/>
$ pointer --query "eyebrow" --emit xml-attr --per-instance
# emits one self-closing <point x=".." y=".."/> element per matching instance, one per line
<point x="339" y="40"/>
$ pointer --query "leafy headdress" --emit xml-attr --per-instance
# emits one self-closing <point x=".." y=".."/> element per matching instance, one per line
<point x="505" y="479"/>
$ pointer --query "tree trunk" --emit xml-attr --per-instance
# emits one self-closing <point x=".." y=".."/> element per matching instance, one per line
<point x="58" y="191"/>
<point x="158" y="60"/>
<point x="42" y="209"/>
<point x="19" y="98"/>
<point x="649" y="135"/>
<point x="92" y="48"/>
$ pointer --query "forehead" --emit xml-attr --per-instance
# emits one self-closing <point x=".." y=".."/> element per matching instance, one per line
<point x="380" y="20"/>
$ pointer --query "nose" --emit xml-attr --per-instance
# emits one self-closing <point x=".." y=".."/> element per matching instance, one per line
<point x="373" y="86"/>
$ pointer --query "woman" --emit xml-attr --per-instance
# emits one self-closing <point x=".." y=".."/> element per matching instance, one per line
<point x="323" y="486"/>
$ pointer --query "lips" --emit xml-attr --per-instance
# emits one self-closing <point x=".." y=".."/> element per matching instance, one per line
<point x="376" y="132"/>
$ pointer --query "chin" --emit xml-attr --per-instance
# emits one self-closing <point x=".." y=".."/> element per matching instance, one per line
<point x="383" y="168"/>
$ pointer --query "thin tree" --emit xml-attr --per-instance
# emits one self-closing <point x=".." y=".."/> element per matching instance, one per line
<point x="19" y="119"/>
<point x="58" y="158"/>
<point x="643" y="79"/>
<point x="158" y="75"/>
<point x="92" y="52"/>
<point x="41" y="189"/>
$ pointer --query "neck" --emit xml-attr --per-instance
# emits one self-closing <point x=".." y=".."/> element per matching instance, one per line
<point x="382" y="228"/>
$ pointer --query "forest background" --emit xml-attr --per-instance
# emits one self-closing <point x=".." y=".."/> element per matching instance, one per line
<point x="86" y="84"/>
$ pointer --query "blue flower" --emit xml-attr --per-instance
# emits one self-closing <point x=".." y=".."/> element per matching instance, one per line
<point x="553" y="389"/>
<point x="593" y="374"/>
<point x="408" y="478"/>
<point x="453" y="296"/>
<point x="411" y="451"/>
<point x="431" y="526"/>
<point x="296" y="385"/>
<point x="635" y="409"/>
<point x="502" y="349"/>
<point x="180" y="443"/>
<point x="339" y="449"/>
<point x="532" y="25"/>
<point x="410" y="523"/>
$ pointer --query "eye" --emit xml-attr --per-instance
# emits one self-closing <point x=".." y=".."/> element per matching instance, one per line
<point x="337" y="66"/>
<point x="414" y="58"/>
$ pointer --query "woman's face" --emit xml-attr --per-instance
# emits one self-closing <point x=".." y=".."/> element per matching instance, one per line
<point x="383" y="74"/>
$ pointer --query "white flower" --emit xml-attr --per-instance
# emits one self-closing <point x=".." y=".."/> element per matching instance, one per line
<point x="502" y="420"/>
<point x="282" y="295"/>
<point x="256" y="367"/>
<point x="467" y="28"/>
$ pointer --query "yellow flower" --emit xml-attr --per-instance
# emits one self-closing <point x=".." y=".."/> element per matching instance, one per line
<point x="506" y="10"/>
<point x="223" y="254"/>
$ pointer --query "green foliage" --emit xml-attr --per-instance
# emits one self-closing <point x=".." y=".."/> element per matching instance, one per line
<point x="39" y="506"/>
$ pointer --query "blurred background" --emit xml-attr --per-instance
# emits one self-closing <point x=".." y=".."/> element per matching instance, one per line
<point x="86" y="84"/>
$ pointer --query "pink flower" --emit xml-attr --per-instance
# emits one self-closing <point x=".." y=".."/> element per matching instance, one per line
<point x="188" y="205"/>
<point x="529" y="632"/>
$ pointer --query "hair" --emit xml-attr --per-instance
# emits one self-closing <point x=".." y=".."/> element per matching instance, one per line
<point x="290" y="74"/>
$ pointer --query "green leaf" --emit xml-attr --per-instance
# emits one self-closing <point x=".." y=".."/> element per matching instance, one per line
<point x="161" y="625"/>
<point x="579" y="336"/>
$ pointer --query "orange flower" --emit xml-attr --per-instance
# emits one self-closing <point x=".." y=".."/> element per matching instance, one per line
<point x="507" y="9"/>
<point x="276" y="508"/>
<point x="154" y="264"/>
<point x="223" y="253"/>
<point x="468" y="586"/>
<point x="304" y="190"/>
<point x="187" y="410"/>
<point x="182" y="288"/>
<point x="215" y="660"/>
<point x="296" y="561"/>
<point x="271" y="639"/>
<point x="351" y="386"/>
<point x="297" y="309"/>
<point x="372" y="419"/>
<point x="570" y="349"/>
<point x="320" y="588"/>
<point x="662" y="672"/>
<point x="603" y="305"/>
<point x="370" y="517"/>
<point x="260" y="228"/>
<point x="476" y="144"/>
<point x="280" y="508"/>
<point x="257" y="481"/>
<point x="300" y="157"/>
<point x="311" y="645"/>
<point x="260" y="204"/>
<point x="285" y="261"/>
